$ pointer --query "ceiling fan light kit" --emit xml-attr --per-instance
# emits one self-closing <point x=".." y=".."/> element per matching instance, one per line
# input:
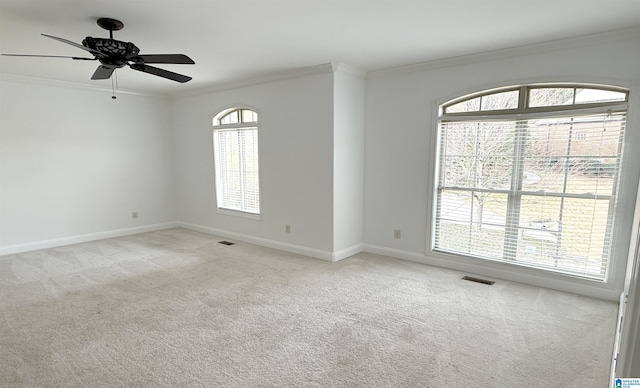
<point x="114" y="54"/>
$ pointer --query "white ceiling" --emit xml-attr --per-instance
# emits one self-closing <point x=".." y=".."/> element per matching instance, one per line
<point x="234" y="40"/>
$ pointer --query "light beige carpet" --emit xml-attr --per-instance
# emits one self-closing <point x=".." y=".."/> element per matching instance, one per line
<point x="176" y="308"/>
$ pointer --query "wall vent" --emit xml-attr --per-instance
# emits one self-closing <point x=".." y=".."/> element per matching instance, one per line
<point x="478" y="280"/>
<point x="225" y="242"/>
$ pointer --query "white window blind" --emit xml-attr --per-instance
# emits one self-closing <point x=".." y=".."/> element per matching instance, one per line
<point x="236" y="163"/>
<point x="534" y="189"/>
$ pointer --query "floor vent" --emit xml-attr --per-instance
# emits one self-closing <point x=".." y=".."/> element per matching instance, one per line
<point x="226" y="243"/>
<point x="478" y="280"/>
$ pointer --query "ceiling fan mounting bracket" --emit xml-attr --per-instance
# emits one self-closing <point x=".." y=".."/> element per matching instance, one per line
<point x="110" y="24"/>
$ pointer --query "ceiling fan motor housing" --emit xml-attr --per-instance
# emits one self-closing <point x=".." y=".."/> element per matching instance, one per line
<point x="117" y="52"/>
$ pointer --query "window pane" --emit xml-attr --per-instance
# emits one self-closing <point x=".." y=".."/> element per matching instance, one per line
<point x="550" y="97"/>
<point x="564" y="233"/>
<point x="230" y="118"/>
<point x="472" y="105"/>
<point x="584" y="96"/>
<point x="567" y="234"/>
<point x="584" y="227"/>
<point x="471" y="223"/>
<point x="228" y="186"/>
<point x="539" y="230"/>
<point x="251" y="186"/>
<point x="559" y="177"/>
<point x="477" y="154"/>
<point x="498" y="101"/>
<point x="249" y="116"/>
<point x="236" y="164"/>
<point x="574" y="155"/>
<point x="472" y="207"/>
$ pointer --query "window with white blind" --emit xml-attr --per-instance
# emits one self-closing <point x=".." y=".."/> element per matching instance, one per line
<point x="235" y="148"/>
<point x="529" y="175"/>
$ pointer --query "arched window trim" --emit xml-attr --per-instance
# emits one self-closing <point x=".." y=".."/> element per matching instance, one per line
<point x="216" y="119"/>
<point x="523" y="100"/>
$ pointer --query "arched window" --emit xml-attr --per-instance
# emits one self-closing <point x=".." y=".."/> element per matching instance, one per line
<point x="529" y="175"/>
<point x="235" y="148"/>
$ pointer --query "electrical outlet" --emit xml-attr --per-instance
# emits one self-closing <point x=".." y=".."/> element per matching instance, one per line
<point x="134" y="215"/>
<point x="287" y="228"/>
<point x="396" y="233"/>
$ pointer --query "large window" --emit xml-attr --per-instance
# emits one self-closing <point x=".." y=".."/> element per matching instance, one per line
<point x="235" y="147"/>
<point x="529" y="175"/>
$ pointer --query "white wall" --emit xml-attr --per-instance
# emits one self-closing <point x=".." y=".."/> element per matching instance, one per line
<point x="295" y="125"/>
<point x="348" y="160"/>
<point x="74" y="162"/>
<point x="627" y="346"/>
<point x="399" y="148"/>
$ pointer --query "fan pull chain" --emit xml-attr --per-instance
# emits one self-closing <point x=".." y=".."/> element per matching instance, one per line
<point x="114" y="84"/>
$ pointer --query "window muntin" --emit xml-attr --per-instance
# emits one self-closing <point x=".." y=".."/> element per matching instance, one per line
<point x="533" y="189"/>
<point x="235" y="142"/>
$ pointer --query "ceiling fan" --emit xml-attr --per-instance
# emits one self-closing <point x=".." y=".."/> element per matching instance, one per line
<point x="114" y="54"/>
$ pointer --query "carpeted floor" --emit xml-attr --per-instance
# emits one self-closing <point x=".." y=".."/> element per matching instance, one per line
<point x="176" y="308"/>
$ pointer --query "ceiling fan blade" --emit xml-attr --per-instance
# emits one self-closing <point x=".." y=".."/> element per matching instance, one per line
<point x="92" y="51"/>
<point x="160" y="72"/>
<point x="165" y="58"/>
<point x="103" y="72"/>
<point x="49" y="56"/>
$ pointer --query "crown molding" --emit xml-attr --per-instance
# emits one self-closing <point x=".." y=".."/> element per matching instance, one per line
<point x="343" y="68"/>
<point x="531" y="49"/>
<point x="326" y="68"/>
<point x="73" y="85"/>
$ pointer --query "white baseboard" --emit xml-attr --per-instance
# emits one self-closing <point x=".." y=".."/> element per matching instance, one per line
<point x="311" y="252"/>
<point x="492" y="270"/>
<point x="347" y="252"/>
<point x="505" y="272"/>
<point x="58" y="242"/>
<point x="298" y="249"/>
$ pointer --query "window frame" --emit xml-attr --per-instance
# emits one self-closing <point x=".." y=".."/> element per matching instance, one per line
<point x="238" y="126"/>
<point x="524" y="112"/>
<point x="523" y="101"/>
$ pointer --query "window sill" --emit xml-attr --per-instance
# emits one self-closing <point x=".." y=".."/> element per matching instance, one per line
<point x="238" y="213"/>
